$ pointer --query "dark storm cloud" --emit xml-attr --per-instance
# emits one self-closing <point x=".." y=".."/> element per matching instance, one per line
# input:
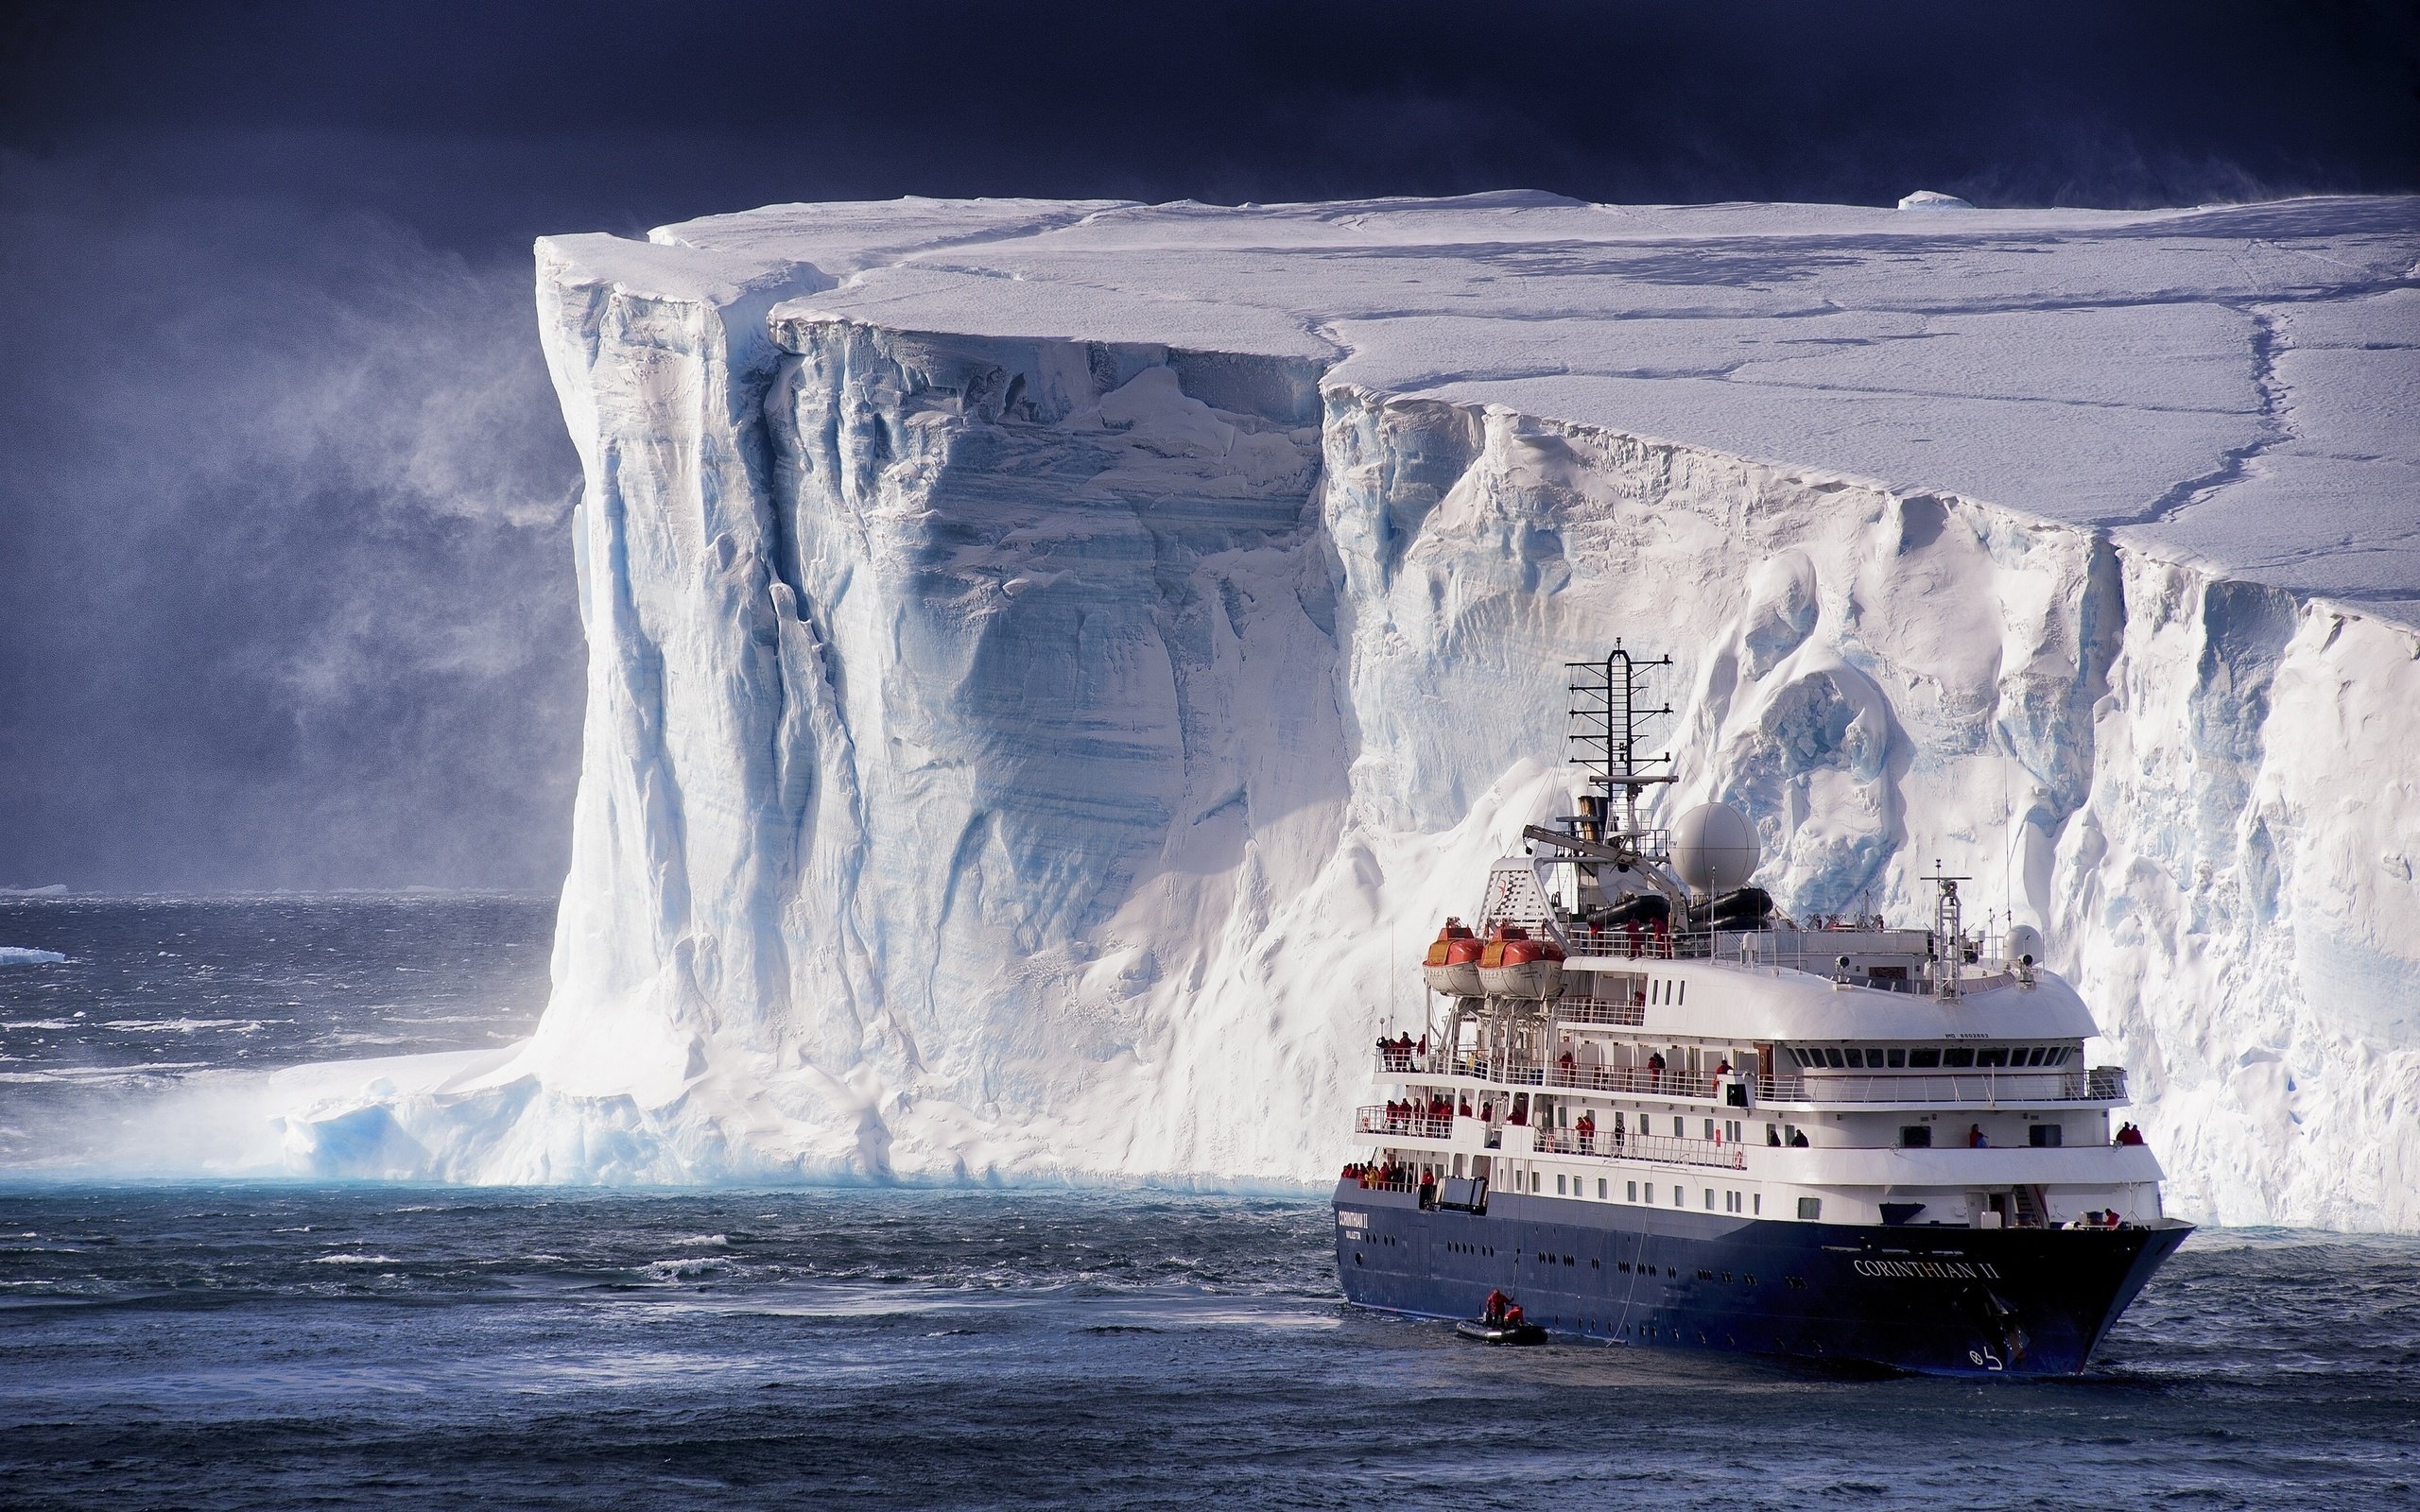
<point x="285" y="593"/>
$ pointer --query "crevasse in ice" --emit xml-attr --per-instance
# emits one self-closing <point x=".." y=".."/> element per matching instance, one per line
<point x="1051" y="665"/>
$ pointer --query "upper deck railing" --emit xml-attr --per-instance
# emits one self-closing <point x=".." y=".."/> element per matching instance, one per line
<point x="1981" y="1089"/>
<point x="1816" y="951"/>
<point x="2100" y="1084"/>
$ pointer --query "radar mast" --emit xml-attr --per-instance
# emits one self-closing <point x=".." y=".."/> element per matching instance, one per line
<point x="1607" y="716"/>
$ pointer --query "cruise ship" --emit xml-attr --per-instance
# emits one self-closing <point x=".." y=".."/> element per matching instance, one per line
<point x="1651" y="1109"/>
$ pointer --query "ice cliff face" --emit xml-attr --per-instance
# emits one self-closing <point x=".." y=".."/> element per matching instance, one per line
<point x="1051" y="665"/>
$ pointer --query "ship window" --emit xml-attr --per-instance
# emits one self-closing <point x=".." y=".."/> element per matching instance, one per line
<point x="1993" y="1056"/>
<point x="1709" y="1130"/>
<point x="1537" y="1180"/>
<point x="1915" y="1136"/>
<point x="1685" y="994"/>
<point x="1810" y="1208"/>
<point x="2037" y="1056"/>
<point x="1680" y="1128"/>
<point x="1898" y="1058"/>
<point x="1923" y="1059"/>
<point x="1855" y="1058"/>
<point x="1678" y="1200"/>
<point x="1633" y="1197"/>
<point x="1601" y="1189"/>
<point x="1759" y="1200"/>
<point x="2045" y="1136"/>
<point x="1622" y="1266"/>
<point x="1874" y="1059"/>
<point x="1709" y="1199"/>
<point x="1558" y="1184"/>
<point x="1832" y="1057"/>
<point x="1651" y="1192"/>
<point x="1958" y="1055"/>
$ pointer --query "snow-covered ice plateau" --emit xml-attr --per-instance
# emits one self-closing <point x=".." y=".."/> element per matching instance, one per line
<point x="1053" y="665"/>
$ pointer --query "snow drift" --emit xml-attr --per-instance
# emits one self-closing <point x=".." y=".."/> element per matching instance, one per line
<point x="1053" y="664"/>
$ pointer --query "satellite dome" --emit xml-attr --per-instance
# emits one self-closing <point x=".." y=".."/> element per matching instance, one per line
<point x="1714" y="847"/>
<point x="2024" y="943"/>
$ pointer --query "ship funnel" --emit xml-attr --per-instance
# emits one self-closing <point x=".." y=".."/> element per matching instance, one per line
<point x="1714" y="847"/>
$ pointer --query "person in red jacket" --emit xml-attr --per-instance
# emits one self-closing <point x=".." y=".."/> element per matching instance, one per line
<point x="1495" y="1304"/>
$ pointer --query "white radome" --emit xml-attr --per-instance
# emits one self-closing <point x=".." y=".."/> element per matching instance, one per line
<point x="1714" y="847"/>
<point x="2024" y="944"/>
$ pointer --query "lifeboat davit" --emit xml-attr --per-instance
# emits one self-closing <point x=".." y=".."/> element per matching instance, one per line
<point x="1452" y="966"/>
<point x="1512" y="964"/>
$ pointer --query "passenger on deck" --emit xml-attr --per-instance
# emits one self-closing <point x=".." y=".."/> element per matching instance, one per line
<point x="1428" y="1189"/>
<point x="1466" y="1104"/>
<point x="1656" y="1069"/>
<point x="2129" y="1134"/>
<point x="1772" y="1137"/>
<point x="1798" y="1139"/>
<point x="1975" y="1138"/>
<point x="1586" y="1129"/>
<point x="1566" y="1063"/>
<point x="1519" y="1117"/>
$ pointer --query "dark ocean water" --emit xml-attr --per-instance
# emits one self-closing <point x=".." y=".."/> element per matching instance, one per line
<point x="267" y="1345"/>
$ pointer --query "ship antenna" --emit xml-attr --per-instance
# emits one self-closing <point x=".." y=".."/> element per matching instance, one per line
<point x="1606" y="718"/>
<point x="1949" y="945"/>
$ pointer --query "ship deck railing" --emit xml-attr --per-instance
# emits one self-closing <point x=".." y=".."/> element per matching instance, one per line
<point x="1618" y="1144"/>
<point x="1375" y="1119"/>
<point x="1962" y="1089"/>
<point x="1813" y="951"/>
<point x="1635" y="1081"/>
<point x="1604" y="1144"/>
<point x="1639" y="1080"/>
<point x="1955" y="1088"/>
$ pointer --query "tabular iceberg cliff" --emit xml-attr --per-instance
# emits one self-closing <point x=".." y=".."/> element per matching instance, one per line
<point x="1051" y="665"/>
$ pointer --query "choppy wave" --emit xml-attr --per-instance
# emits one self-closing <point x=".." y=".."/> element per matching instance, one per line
<point x="238" y="1345"/>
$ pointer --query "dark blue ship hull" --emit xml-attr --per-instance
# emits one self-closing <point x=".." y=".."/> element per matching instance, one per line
<point x="1938" y="1299"/>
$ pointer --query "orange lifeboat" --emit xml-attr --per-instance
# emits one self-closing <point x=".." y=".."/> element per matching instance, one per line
<point x="1513" y="964"/>
<point x="1452" y="964"/>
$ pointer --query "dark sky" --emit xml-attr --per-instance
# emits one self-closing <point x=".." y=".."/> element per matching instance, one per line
<point x="284" y="587"/>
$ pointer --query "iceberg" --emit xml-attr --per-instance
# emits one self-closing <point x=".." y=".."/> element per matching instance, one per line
<point x="1053" y="664"/>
